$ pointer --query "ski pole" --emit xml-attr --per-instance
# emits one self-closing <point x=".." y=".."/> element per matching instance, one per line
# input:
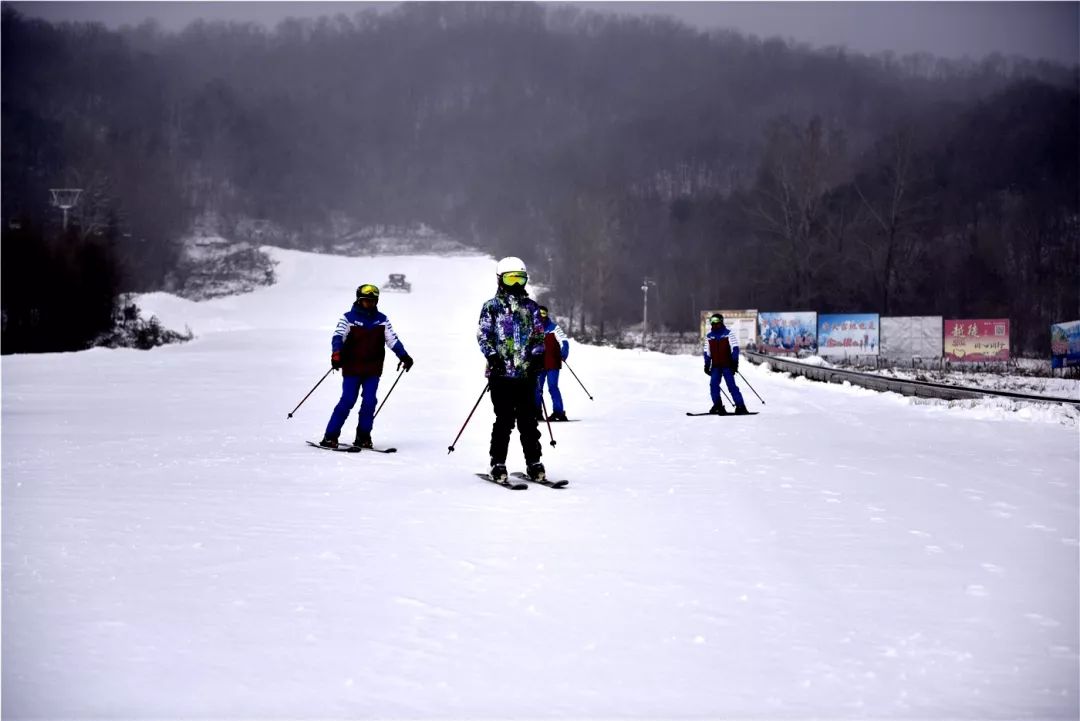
<point x="310" y="392"/>
<point x="751" y="388"/>
<point x="451" y="447"/>
<point x="388" y="394"/>
<point x="578" y="380"/>
<point x="543" y="407"/>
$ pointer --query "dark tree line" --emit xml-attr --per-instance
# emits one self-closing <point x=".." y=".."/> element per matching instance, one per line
<point x="59" y="290"/>
<point x="730" y="170"/>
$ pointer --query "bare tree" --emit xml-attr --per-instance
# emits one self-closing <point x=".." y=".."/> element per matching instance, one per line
<point x="895" y="209"/>
<point x="800" y="165"/>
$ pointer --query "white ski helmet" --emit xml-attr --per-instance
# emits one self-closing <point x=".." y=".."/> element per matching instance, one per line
<point x="510" y="264"/>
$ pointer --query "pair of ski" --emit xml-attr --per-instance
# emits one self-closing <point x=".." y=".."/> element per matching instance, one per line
<point x="345" y="448"/>
<point x="523" y="481"/>
<point x="729" y="413"/>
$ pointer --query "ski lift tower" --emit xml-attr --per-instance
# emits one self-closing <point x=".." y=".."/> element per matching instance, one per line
<point x="65" y="199"/>
<point x="645" y="285"/>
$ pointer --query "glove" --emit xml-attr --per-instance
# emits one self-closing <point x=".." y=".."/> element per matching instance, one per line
<point x="407" y="361"/>
<point x="335" y="359"/>
<point x="495" y="365"/>
<point x="735" y="367"/>
<point x="708" y="368"/>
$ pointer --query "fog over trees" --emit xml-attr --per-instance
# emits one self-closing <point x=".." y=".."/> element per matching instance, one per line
<point x="733" y="171"/>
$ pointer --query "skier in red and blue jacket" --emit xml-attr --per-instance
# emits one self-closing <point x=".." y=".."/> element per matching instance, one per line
<point x="556" y="350"/>
<point x="721" y="351"/>
<point x="358" y="348"/>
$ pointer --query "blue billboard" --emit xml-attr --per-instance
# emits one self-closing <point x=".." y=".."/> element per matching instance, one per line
<point x="848" y="334"/>
<point x="1065" y="344"/>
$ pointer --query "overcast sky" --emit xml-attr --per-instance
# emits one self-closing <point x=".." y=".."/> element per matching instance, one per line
<point x="951" y="29"/>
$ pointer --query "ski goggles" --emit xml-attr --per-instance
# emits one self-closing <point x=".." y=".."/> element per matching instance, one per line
<point x="543" y="314"/>
<point x="368" y="291"/>
<point x="715" y="320"/>
<point x="515" y="277"/>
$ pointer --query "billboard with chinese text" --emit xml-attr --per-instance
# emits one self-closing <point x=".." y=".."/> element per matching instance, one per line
<point x="787" y="332"/>
<point x="847" y="334"/>
<point x="743" y="324"/>
<point x="976" y="341"/>
<point x="907" y="337"/>
<point x="1065" y="344"/>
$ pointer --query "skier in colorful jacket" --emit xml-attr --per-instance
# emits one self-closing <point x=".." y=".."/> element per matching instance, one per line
<point x="721" y="351"/>
<point x="556" y="350"/>
<point x="358" y="348"/>
<point x="511" y="337"/>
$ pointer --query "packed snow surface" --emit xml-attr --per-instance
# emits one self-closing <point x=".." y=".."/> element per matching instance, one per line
<point x="173" y="549"/>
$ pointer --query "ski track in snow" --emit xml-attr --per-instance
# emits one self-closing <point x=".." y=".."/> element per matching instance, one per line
<point x="173" y="549"/>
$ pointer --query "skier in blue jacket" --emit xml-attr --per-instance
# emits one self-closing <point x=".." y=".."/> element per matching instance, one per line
<point x="556" y="350"/>
<point x="358" y="350"/>
<point x="721" y="351"/>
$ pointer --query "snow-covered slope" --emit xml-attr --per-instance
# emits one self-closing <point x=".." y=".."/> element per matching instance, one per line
<point x="172" y="548"/>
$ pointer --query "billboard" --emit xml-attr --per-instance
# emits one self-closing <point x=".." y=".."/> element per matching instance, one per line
<point x="1065" y="344"/>
<point x="743" y="324"/>
<point x="976" y="341"/>
<point x="907" y="337"/>
<point x="787" y="332"/>
<point x="847" y="334"/>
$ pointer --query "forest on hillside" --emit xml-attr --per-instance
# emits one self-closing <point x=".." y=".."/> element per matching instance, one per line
<point x="731" y="171"/>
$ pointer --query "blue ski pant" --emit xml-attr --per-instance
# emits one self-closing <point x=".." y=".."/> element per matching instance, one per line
<point x="350" y="390"/>
<point x="552" y="378"/>
<point x="729" y="377"/>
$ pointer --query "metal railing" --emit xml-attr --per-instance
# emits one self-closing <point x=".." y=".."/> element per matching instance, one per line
<point x="904" y="386"/>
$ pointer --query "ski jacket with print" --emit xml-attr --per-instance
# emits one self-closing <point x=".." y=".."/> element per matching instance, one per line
<point x="511" y="328"/>
<point x="556" y="345"/>
<point x="721" y="347"/>
<point x="363" y="336"/>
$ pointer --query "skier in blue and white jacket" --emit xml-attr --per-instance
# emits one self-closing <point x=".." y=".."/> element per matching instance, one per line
<point x="721" y="351"/>
<point x="358" y="348"/>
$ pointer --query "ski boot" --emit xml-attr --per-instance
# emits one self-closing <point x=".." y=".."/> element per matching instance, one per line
<point x="498" y="471"/>
<point x="536" y="471"/>
<point x="718" y="409"/>
<point x="329" y="441"/>
<point x="740" y="410"/>
<point x="558" y="416"/>
<point x="363" y="439"/>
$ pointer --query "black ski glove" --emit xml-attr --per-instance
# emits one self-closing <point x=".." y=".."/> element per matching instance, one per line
<point x="407" y="361"/>
<point x="708" y="368"/>
<point x="495" y="366"/>
<point x="335" y="360"/>
<point x="735" y="366"/>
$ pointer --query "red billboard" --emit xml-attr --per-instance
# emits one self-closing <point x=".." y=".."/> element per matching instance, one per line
<point x="976" y="341"/>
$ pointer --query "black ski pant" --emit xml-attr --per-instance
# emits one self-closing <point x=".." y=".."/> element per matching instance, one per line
<point x="514" y="400"/>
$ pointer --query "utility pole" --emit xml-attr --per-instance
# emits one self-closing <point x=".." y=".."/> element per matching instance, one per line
<point x="645" y="284"/>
